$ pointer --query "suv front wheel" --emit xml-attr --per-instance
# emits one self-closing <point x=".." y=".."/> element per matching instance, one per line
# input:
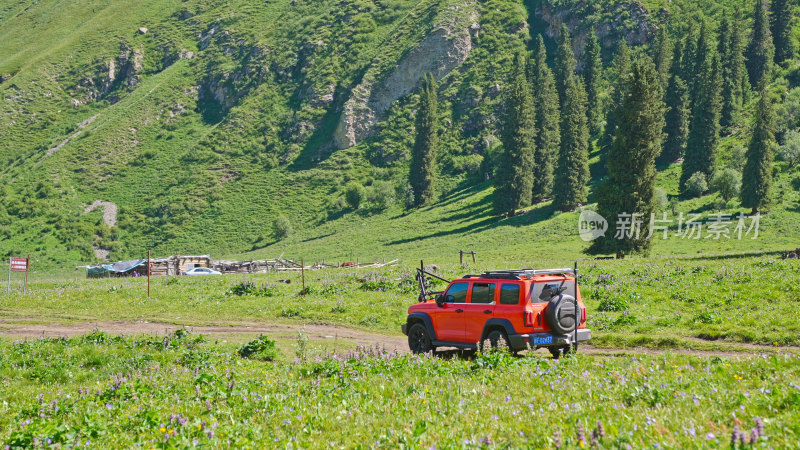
<point x="418" y="339"/>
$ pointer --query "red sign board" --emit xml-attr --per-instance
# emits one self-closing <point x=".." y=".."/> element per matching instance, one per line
<point x="19" y="264"/>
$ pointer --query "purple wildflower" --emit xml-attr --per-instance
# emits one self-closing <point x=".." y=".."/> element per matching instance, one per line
<point x="710" y="436"/>
<point x="581" y="434"/>
<point x="557" y="440"/>
<point x="759" y="426"/>
<point x="735" y="436"/>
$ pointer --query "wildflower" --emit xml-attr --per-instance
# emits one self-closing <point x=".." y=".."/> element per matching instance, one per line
<point x="735" y="436"/>
<point x="601" y="431"/>
<point x="557" y="440"/>
<point x="581" y="435"/>
<point x="759" y="426"/>
<point x="710" y="436"/>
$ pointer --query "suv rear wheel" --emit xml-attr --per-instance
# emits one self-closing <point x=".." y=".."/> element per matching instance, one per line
<point x="564" y="350"/>
<point x="418" y="339"/>
<point x="497" y="341"/>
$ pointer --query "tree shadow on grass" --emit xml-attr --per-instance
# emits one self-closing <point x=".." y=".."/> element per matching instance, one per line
<point x="490" y="221"/>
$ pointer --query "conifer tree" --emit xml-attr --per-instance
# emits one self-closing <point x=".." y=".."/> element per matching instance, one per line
<point x="592" y="71"/>
<point x="572" y="173"/>
<point x="620" y="67"/>
<point x="701" y="144"/>
<point x="565" y="62"/>
<point x="760" y="51"/>
<point x="514" y="180"/>
<point x="423" y="154"/>
<point x="733" y="70"/>
<point x="688" y="59"/>
<point x="781" y="29"/>
<point x="662" y="55"/>
<point x="676" y="99"/>
<point x="630" y="186"/>
<point x="548" y="127"/>
<point x="677" y="119"/>
<point x="757" y="172"/>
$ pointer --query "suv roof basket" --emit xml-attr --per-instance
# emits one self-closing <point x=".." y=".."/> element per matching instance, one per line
<point x="521" y="273"/>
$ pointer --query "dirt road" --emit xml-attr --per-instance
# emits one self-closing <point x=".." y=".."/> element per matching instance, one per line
<point x="240" y="332"/>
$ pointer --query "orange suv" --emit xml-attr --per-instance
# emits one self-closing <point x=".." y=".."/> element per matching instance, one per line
<point x="522" y="309"/>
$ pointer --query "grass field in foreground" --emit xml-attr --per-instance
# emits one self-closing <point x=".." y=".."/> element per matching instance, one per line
<point x="690" y="303"/>
<point x="179" y="391"/>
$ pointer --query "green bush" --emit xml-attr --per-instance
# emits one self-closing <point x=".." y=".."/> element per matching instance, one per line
<point x="354" y="194"/>
<point x="261" y="348"/>
<point x="790" y="150"/>
<point x="282" y="227"/>
<point x="382" y="194"/>
<point x="727" y="182"/>
<point x="696" y="185"/>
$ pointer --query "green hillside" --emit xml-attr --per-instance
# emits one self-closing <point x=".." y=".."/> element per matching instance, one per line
<point x="202" y="121"/>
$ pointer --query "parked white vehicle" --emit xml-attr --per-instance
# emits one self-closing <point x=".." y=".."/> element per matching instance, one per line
<point x="201" y="271"/>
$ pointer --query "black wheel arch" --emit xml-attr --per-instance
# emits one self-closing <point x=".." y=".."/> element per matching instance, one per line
<point x="497" y="324"/>
<point x="423" y="318"/>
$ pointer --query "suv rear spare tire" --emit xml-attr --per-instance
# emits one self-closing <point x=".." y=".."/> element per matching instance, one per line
<point x="419" y="341"/>
<point x="560" y="314"/>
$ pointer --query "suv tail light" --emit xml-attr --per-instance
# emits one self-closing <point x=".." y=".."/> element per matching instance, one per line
<point x="583" y="314"/>
<point x="527" y="318"/>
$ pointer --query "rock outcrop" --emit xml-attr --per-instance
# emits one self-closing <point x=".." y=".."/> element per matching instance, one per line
<point x="629" y="19"/>
<point x="444" y="49"/>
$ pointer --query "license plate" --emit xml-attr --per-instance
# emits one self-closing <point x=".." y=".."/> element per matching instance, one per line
<point x="544" y="340"/>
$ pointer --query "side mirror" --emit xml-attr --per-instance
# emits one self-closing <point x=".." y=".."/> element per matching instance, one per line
<point x="440" y="300"/>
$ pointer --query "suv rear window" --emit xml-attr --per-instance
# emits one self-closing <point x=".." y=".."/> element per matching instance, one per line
<point x="509" y="294"/>
<point x="482" y="293"/>
<point x="457" y="293"/>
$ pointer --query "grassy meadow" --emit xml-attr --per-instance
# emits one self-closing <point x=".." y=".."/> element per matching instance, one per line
<point x="658" y="302"/>
<point x="181" y="391"/>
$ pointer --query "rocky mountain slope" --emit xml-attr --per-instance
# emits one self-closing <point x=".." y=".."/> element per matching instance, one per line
<point x="203" y="120"/>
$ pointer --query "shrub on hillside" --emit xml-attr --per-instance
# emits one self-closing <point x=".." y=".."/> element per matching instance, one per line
<point x="727" y="182"/>
<point x="354" y="194"/>
<point x="696" y="185"/>
<point x="282" y="227"/>
<point x="381" y="194"/>
<point x="790" y="150"/>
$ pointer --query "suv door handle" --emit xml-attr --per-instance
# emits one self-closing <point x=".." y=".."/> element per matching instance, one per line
<point x="459" y="310"/>
<point x="487" y="311"/>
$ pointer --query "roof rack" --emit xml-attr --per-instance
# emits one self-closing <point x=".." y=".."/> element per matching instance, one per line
<point x="521" y="273"/>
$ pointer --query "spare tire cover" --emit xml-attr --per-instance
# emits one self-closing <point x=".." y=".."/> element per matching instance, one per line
<point x="560" y="314"/>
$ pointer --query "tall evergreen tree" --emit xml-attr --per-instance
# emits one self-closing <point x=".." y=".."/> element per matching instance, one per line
<point x="423" y="154"/>
<point x="688" y="59"/>
<point x="630" y="186"/>
<point x="565" y="62"/>
<point x="760" y="51"/>
<point x="757" y="172"/>
<point x="678" y="113"/>
<point x="620" y="67"/>
<point x="703" y="57"/>
<point x="548" y="127"/>
<point x="592" y="72"/>
<point x="662" y="55"/>
<point x="514" y="180"/>
<point x="677" y="119"/>
<point x="781" y="28"/>
<point x="701" y="144"/>
<point x="572" y="173"/>
<point x="733" y="70"/>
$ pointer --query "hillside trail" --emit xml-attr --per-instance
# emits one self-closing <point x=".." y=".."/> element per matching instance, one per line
<point x="23" y="328"/>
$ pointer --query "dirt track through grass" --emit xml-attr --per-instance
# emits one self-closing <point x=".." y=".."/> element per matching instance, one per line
<point x="236" y="332"/>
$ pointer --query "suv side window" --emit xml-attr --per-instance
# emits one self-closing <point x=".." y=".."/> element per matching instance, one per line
<point x="482" y="293"/>
<point x="509" y="294"/>
<point x="457" y="293"/>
